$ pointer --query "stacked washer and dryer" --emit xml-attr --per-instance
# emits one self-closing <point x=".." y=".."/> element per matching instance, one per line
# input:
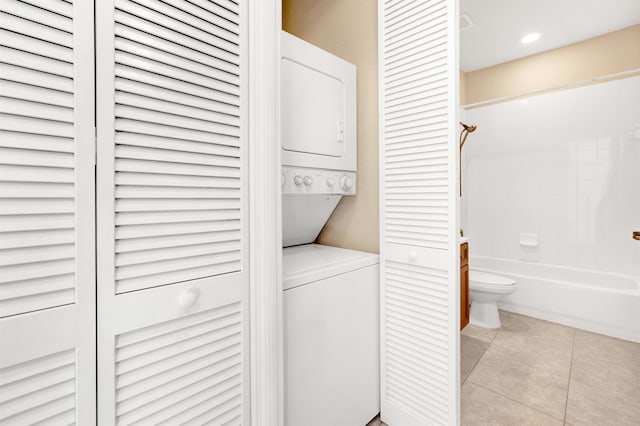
<point x="331" y="295"/>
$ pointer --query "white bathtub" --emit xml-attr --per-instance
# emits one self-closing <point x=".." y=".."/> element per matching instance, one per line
<point x="590" y="300"/>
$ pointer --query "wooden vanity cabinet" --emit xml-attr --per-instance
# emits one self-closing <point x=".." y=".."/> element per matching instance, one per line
<point x="465" y="302"/>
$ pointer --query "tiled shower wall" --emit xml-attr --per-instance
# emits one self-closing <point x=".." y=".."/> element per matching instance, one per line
<point x="564" y="166"/>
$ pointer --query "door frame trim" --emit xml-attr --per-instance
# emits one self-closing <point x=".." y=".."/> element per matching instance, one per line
<point x="265" y="221"/>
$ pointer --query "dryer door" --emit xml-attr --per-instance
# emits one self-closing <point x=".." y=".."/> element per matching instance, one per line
<point x="313" y="104"/>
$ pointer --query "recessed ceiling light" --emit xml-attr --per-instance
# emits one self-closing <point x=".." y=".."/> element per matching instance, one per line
<point x="530" y="38"/>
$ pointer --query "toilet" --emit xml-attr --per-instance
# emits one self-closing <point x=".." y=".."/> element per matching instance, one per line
<point x="485" y="290"/>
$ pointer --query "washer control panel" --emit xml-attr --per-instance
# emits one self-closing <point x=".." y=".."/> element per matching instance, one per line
<point x="296" y="180"/>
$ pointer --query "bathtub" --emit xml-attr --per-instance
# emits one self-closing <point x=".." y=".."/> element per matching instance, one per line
<point x="590" y="300"/>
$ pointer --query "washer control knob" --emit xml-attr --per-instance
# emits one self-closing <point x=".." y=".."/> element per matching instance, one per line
<point x="331" y="182"/>
<point x="346" y="182"/>
<point x="297" y="180"/>
<point x="308" y="180"/>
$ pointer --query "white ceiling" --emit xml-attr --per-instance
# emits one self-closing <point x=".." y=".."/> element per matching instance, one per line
<point x="500" y="24"/>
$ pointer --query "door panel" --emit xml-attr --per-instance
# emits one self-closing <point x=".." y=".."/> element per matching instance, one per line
<point x="419" y="253"/>
<point x="172" y="202"/>
<point x="47" y="253"/>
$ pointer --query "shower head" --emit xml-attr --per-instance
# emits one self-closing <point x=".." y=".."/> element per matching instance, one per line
<point x="465" y="132"/>
<point x="468" y="128"/>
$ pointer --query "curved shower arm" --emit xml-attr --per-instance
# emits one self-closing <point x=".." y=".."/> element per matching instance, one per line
<point x="463" y="138"/>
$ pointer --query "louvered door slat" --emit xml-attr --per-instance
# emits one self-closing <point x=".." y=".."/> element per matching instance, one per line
<point x="216" y="46"/>
<point x="162" y="50"/>
<point x="177" y="12"/>
<point x="418" y="72"/>
<point x="124" y="246"/>
<point x="33" y="61"/>
<point x="165" y="371"/>
<point x="37" y="14"/>
<point x="167" y="64"/>
<point x="21" y="207"/>
<point x="174" y="211"/>
<point x="153" y="104"/>
<point x="47" y="277"/>
<point x="149" y="179"/>
<point x="61" y="7"/>
<point x="28" y="108"/>
<point x="36" y="78"/>
<point x="135" y="380"/>
<point x="211" y="12"/>
<point x="37" y="390"/>
<point x="24" y="43"/>
<point x="224" y="102"/>
<point x="137" y="218"/>
<point x="125" y="124"/>
<point x="14" y="90"/>
<point x="166" y="39"/>
<point x="222" y="132"/>
<point x="172" y="128"/>
<point x="177" y="156"/>
<point x="196" y="105"/>
<point x="36" y="166"/>
<point x="37" y="30"/>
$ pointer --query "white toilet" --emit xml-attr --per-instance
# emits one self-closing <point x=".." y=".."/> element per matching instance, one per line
<point x="485" y="290"/>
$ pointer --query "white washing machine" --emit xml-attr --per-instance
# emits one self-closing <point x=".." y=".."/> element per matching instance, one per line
<point x="331" y="295"/>
<point x="331" y="323"/>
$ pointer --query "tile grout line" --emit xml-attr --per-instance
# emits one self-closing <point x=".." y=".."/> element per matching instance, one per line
<point x="474" y="366"/>
<point x="478" y="360"/>
<point x="524" y="404"/>
<point x="480" y="357"/>
<point x="566" y="402"/>
<point x="517" y="402"/>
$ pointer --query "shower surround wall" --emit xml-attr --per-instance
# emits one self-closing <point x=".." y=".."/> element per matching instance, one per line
<point x="564" y="166"/>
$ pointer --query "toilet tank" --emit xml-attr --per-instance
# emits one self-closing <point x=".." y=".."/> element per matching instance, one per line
<point x="318" y="102"/>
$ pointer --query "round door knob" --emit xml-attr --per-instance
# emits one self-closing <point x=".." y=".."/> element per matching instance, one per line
<point x="413" y="256"/>
<point x="308" y="180"/>
<point x="346" y="182"/>
<point x="297" y="180"/>
<point x="331" y="182"/>
<point x="188" y="298"/>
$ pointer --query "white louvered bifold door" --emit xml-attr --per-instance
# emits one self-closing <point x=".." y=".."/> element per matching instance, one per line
<point x="418" y="230"/>
<point x="173" y="282"/>
<point x="47" y="251"/>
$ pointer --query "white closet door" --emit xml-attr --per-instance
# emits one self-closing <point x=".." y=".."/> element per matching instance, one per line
<point x="47" y="255"/>
<point x="173" y="282"/>
<point x="419" y="244"/>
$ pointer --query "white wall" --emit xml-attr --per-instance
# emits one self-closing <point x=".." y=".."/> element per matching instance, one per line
<point x="565" y="166"/>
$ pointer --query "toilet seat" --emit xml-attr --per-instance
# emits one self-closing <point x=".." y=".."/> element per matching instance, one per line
<point x="482" y="280"/>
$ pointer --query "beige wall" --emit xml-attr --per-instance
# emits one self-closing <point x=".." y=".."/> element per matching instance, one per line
<point x="611" y="53"/>
<point x="348" y="29"/>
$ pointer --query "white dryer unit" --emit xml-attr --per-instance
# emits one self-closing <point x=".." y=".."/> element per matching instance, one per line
<point x="331" y="323"/>
<point x="318" y="101"/>
<point x="318" y="96"/>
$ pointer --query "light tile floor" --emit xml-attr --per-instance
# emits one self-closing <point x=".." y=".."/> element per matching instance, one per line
<point x="533" y="372"/>
<point x="376" y="422"/>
